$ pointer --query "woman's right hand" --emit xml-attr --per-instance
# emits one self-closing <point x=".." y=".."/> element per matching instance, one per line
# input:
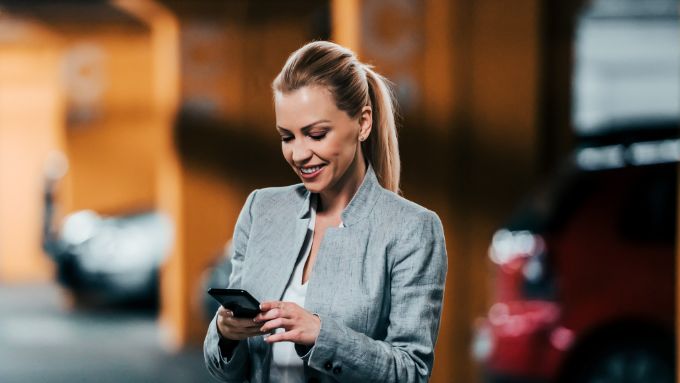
<point x="234" y="328"/>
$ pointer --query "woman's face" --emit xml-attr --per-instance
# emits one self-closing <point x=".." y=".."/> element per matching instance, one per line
<point x="318" y="140"/>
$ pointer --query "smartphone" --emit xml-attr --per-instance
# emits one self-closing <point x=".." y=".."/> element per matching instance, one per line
<point x="240" y="302"/>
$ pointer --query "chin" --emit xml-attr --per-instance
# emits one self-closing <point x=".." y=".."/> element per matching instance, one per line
<point x="313" y="187"/>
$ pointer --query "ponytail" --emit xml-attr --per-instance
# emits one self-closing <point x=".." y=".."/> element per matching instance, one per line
<point x="382" y="148"/>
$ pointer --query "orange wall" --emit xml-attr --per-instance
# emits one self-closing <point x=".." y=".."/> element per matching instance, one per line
<point x="113" y="155"/>
<point x="31" y="118"/>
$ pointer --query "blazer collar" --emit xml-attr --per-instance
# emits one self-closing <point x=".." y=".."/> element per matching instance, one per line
<point x="359" y="207"/>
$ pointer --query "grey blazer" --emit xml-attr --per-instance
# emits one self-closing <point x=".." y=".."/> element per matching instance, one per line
<point x="377" y="286"/>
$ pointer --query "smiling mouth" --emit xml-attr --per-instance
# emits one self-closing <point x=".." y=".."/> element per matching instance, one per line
<point x="309" y="172"/>
<point x="311" y="169"/>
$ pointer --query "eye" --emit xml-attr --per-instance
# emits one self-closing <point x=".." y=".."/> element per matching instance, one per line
<point x="286" y="138"/>
<point x="318" y="136"/>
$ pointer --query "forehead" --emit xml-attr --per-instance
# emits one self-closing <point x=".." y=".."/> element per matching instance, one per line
<point x="304" y="106"/>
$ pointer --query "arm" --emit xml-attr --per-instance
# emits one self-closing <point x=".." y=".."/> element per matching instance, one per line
<point x="416" y="287"/>
<point x="225" y="359"/>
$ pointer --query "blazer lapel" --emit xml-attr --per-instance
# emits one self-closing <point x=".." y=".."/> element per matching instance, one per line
<point x="286" y="243"/>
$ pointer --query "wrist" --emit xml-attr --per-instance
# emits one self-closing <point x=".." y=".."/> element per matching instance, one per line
<point x="317" y="328"/>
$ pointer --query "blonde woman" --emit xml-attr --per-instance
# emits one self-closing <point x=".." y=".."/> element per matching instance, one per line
<point x="350" y="274"/>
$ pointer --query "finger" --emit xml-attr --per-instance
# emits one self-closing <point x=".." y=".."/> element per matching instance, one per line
<point x="243" y="335"/>
<point x="274" y="324"/>
<point x="246" y="332"/>
<point x="285" y="336"/>
<point x="239" y="323"/>
<point x="223" y="312"/>
<point x="269" y="305"/>
<point x="243" y="322"/>
<point x="245" y="328"/>
<point x="269" y="315"/>
<point x="253" y="333"/>
<point x="275" y="309"/>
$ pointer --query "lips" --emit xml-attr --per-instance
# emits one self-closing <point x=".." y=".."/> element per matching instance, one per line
<point x="308" y="172"/>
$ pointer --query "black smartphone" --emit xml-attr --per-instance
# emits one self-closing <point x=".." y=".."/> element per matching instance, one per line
<point x="240" y="302"/>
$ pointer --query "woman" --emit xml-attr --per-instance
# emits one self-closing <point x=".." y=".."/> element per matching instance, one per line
<point x="350" y="274"/>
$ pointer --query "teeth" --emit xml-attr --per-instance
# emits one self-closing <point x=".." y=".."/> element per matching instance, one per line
<point x="310" y="170"/>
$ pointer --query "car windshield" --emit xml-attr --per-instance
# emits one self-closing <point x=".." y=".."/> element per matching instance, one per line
<point x="590" y="169"/>
<point x="548" y="205"/>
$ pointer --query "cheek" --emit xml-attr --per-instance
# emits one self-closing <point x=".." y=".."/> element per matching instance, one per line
<point x="345" y="145"/>
<point x="287" y="153"/>
<point x="336" y="149"/>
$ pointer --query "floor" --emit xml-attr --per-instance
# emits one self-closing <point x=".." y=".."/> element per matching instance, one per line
<point x="42" y="341"/>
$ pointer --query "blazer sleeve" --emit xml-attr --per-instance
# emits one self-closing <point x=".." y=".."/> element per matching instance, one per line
<point x="226" y="360"/>
<point x="418" y="273"/>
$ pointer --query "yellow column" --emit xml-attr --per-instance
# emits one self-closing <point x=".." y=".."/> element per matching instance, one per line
<point x="164" y="29"/>
<point x="31" y="126"/>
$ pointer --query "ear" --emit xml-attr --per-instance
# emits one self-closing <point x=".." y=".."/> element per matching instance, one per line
<point x="365" y="122"/>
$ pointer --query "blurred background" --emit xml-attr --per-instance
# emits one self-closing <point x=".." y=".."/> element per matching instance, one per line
<point x="544" y="133"/>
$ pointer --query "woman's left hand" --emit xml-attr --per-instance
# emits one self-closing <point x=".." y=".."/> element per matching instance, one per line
<point x="301" y="326"/>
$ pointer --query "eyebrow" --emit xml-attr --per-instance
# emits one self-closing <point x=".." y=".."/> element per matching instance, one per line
<point x="305" y="128"/>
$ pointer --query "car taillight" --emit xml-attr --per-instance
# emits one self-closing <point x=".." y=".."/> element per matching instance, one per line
<point x="508" y="246"/>
<point x="524" y="253"/>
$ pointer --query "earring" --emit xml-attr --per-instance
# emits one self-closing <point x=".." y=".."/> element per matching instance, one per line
<point x="362" y="138"/>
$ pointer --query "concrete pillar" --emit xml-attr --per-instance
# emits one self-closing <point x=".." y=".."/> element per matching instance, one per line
<point x="31" y="126"/>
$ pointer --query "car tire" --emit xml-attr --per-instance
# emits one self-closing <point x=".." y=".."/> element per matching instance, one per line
<point x="629" y="361"/>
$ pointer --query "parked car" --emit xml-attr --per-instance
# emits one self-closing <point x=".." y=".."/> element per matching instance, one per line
<point x="112" y="260"/>
<point x="585" y="282"/>
<point x="104" y="260"/>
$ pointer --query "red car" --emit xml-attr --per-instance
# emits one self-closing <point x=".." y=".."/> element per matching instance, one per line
<point x="585" y="285"/>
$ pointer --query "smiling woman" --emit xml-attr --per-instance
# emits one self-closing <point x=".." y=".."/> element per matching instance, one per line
<point x="351" y="275"/>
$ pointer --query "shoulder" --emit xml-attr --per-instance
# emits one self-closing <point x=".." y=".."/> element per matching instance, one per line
<point x="413" y="231"/>
<point x="396" y="210"/>
<point x="278" y="197"/>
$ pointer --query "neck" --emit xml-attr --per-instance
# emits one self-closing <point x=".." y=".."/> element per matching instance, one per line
<point x="334" y="200"/>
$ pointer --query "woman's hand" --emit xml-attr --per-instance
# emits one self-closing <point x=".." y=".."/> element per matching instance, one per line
<point x="234" y="328"/>
<point x="301" y="326"/>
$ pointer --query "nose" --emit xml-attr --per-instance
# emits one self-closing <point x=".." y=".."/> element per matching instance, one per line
<point x="301" y="153"/>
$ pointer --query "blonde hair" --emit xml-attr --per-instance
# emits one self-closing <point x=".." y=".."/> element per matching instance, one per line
<point x="353" y="86"/>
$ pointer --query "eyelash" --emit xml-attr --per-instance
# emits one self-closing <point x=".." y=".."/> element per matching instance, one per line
<point x="315" y="137"/>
